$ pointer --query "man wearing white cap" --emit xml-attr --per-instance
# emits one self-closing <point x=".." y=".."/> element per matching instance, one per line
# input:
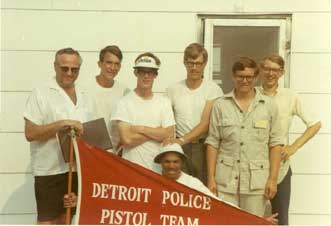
<point x="172" y="158"/>
<point x="144" y="118"/>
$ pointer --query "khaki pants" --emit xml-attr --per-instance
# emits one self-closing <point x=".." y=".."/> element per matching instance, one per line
<point x="254" y="204"/>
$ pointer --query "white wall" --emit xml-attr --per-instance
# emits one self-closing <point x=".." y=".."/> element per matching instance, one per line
<point x="31" y="32"/>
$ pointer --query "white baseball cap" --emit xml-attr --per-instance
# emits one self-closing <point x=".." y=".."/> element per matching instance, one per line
<point x="147" y="62"/>
<point x="170" y="148"/>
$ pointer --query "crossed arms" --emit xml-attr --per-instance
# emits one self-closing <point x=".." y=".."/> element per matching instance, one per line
<point x="132" y="136"/>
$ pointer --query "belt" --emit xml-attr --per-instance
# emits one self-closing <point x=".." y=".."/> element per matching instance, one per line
<point x="199" y="141"/>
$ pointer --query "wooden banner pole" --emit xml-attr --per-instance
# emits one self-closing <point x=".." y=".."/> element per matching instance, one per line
<point x="71" y="159"/>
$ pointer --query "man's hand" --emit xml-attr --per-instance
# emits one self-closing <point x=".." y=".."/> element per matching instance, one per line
<point x="212" y="186"/>
<point x="172" y="140"/>
<point x="287" y="151"/>
<point x="34" y="132"/>
<point x="76" y="125"/>
<point x="70" y="200"/>
<point x="270" y="188"/>
<point x="273" y="219"/>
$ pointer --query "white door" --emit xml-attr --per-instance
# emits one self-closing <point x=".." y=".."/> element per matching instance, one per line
<point x="227" y="39"/>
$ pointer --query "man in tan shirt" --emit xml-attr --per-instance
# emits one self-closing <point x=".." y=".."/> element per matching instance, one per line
<point x="244" y="143"/>
<point x="289" y="104"/>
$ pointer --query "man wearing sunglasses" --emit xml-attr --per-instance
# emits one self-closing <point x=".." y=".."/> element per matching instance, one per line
<point x="244" y="143"/>
<point x="55" y="105"/>
<point x="144" y="118"/>
<point x="192" y="100"/>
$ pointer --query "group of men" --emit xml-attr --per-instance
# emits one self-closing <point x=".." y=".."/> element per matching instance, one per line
<point x="236" y="144"/>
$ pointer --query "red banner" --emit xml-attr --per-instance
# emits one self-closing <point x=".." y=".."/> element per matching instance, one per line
<point x="115" y="191"/>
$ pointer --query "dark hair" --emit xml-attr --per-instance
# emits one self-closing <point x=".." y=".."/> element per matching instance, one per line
<point x="194" y="50"/>
<point x="115" y="50"/>
<point x="245" y="62"/>
<point x="69" y="51"/>
<point x="275" y="59"/>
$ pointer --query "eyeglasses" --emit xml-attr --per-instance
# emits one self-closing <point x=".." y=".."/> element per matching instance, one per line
<point x="74" y="70"/>
<point x="273" y="70"/>
<point x="192" y="64"/>
<point x="242" y="78"/>
<point x="146" y="71"/>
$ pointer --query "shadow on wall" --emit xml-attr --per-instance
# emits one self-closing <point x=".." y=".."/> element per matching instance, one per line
<point x="20" y="207"/>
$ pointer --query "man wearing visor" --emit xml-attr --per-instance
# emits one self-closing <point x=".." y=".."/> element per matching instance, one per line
<point x="144" y="118"/>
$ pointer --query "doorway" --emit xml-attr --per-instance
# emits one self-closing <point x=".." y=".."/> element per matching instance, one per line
<point x="228" y="39"/>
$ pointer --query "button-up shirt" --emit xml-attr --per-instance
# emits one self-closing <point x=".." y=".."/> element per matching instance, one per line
<point x="289" y="104"/>
<point x="45" y="105"/>
<point x="243" y="140"/>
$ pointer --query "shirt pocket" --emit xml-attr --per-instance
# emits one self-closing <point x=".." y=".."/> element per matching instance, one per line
<point x="224" y="168"/>
<point x="261" y="130"/>
<point x="228" y="129"/>
<point x="259" y="170"/>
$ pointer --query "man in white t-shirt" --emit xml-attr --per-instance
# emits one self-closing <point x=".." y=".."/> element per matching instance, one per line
<point x="57" y="104"/>
<point x="104" y="92"/>
<point x="289" y="104"/>
<point x="144" y="119"/>
<point x="192" y="100"/>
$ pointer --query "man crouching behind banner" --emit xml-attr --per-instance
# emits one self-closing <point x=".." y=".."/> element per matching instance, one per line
<point x="172" y="158"/>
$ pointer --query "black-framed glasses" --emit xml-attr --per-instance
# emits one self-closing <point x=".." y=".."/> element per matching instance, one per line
<point x="270" y="69"/>
<point x="65" y="69"/>
<point x="191" y="64"/>
<point x="242" y="78"/>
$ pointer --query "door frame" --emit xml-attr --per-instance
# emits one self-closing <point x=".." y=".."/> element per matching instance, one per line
<point x="284" y="25"/>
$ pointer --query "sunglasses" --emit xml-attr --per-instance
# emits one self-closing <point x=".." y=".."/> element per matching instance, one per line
<point x="74" y="70"/>
<point x="146" y="71"/>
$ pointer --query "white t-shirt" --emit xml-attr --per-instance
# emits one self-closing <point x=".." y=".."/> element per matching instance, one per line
<point x="155" y="112"/>
<point x="289" y="104"/>
<point x="46" y="105"/>
<point x="188" y="104"/>
<point x="104" y="101"/>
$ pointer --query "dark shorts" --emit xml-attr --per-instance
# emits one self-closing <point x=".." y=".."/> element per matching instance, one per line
<point x="49" y="192"/>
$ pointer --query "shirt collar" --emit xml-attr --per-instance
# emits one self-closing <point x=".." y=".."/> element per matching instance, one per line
<point x="52" y="83"/>
<point x="261" y="89"/>
<point x="259" y="97"/>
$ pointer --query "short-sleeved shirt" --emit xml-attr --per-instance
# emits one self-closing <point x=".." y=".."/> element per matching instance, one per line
<point x="188" y="105"/>
<point x="104" y="101"/>
<point x="243" y="140"/>
<point x="289" y="104"/>
<point x="46" y="105"/>
<point x="155" y="112"/>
